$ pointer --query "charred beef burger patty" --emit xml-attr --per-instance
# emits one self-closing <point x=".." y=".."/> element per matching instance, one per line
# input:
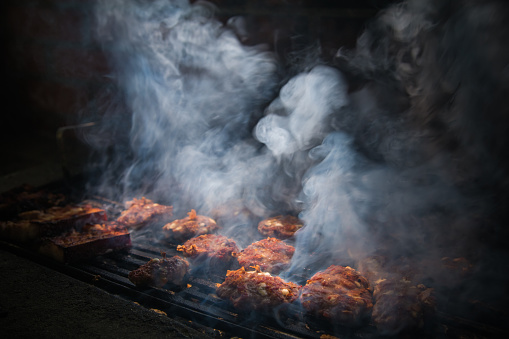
<point x="339" y="294"/>
<point x="193" y="225"/>
<point x="281" y="226"/>
<point x="271" y="254"/>
<point x="216" y="251"/>
<point x="159" y="272"/>
<point x="141" y="212"/>
<point x="256" y="290"/>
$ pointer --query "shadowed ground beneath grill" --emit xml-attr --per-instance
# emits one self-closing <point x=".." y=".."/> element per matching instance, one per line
<point x="38" y="302"/>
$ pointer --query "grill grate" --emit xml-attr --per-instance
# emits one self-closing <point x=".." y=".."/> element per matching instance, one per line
<point x="198" y="301"/>
<point x="197" y="305"/>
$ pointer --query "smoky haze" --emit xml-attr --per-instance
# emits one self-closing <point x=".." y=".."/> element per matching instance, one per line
<point x="399" y="145"/>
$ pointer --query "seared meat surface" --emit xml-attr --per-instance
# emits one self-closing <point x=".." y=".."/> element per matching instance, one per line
<point x="210" y="249"/>
<point x="91" y="241"/>
<point x="159" y="272"/>
<point x="271" y="254"/>
<point x="339" y="294"/>
<point x="399" y="303"/>
<point x="33" y="225"/>
<point x="193" y="225"/>
<point x="281" y="226"/>
<point x="256" y="290"/>
<point x="141" y="212"/>
<point x="26" y="198"/>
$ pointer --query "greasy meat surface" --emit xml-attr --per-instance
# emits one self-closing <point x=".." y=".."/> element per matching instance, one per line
<point x="159" y="272"/>
<point x="211" y="249"/>
<point x="91" y="241"/>
<point x="281" y="226"/>
<point x="191" y="226"/>
<point x="256" y="290"/>
<point x="271" y="254"/>
<point x="25" y="198"/>
<point x="88" y="233"/>
<point x="142" y="211"/>
<point x="339" y="294"/>
<point x="69" y="212"/>
<point x="33" y="225"/>
<point x="399" y="303"/>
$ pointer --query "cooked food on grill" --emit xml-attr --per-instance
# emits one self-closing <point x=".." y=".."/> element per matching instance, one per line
<point x="91" y="241"/>
<point x="159" y="272"/>
<point x="25" y="198"/>
<point x="281" y="226"/>
<point x="256" y="290"/>
<point x="215" y="251"/>
<point x="141" y="212"/>
<point x="32" y="225"/>
<point x="191" y="226"/>
<point x="271" y="254"/>
<point x="399" y="304"/>
<point x="339" y="294"/>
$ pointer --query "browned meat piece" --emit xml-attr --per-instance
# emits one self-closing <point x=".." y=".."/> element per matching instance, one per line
<point x="281" y="226"/>
<point x="93" y="240"/>
<point x="271" y="254"/>
<point x="32" y="225"/>
<point x="399" y="304"/>
<point x="216" y="251"/>
<point x="191" y="226"/>
<point x="159" y="272"/>
<point x="25" y="198"/>
<point x="256" y="290"/>
<point x="141" y="212"/>
<point x="339" y="294"/>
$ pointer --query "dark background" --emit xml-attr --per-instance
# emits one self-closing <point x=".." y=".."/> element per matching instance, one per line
<point x="53" y="68"/>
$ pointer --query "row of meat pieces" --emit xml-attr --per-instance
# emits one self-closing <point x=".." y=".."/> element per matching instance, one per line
<point x="66" y="226"/>
<point x="339" y="294"/>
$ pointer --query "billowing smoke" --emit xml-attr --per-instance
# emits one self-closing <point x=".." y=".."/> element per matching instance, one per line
<point x="193" y="92"/>
<point x="399" y="145"/>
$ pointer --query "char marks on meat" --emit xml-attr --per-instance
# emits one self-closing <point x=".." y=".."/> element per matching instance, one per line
<point x="33" y="225"/>
<point x="339" y="294"/>
<point x="281" y="226"/>
<point x="193" y="225"/>
<point x="213" y="250"/>
<point x="93" y="240"/>
<point x="256" y="290"/>
<point x="400" y="305"/>
<point x="271" y="254"/>
<point x="26" y="198"/>
<point x="159" y="272"/>
<point x="141" y="212"/>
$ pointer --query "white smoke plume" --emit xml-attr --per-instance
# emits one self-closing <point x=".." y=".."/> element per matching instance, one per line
<point x="193" y="91"/>
<point x="399" y="145"/>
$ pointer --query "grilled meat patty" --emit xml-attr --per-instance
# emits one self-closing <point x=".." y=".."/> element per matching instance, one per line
<point x="399" y="303"/>
<point x="211" y="249"/>
<point x="271" y="254"/>
<point x="256" y="290"/>
<point x="159" y="272"/>
<point x="281" y="226"/>
<point x="193" y="225"/>
<point x="339" y="294"/>
<point x="141" y="212"/>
